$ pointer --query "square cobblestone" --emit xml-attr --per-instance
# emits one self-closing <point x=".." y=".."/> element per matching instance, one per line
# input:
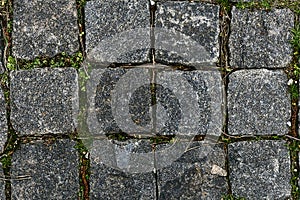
<point x="44" y="100"/>
<point x="261" y="39"/>
<point x="3" y="122"/>
<point x="44" y="28"/>
<point x="187" y="33"/>
<point x="258" y="102"/>
<point x="52" y="170"/>
<point x="260" y="170"/>
<point x="117" y="31"/>
<point x="122" y="170"/>
<point x="199" y="173"/>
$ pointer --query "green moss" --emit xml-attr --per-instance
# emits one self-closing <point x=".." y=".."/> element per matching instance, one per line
<point x="231" y="197"/>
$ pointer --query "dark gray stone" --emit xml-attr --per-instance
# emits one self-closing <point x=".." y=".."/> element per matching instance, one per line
<point x="44" y="28"/>
<point x="189" y="103"/>
<point x="52" y="171"/>
<point x="118" y="171"/>
<point x="3" y="122"/>
<point x="2" y="47"/>
<point x="117" y="31"/>
<point x="260" y="169"/>
<point x="199" y="173"/>
<point x="187" y="33"/>
<point x="44" y="100"/>
<point x="258" y="102"/>
<point x="261" y="39"/>
<point x="2" y="183"/>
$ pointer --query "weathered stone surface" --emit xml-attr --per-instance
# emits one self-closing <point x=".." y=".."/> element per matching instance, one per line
<point x="121" y="170"/>
<point x="260" y="169"/>
<point x="2" y="183"/>
<point x="260" y="39"/>
<point x="117" y="31"/>
<point x="199" y="173"/>
<point x="3" y="122"/>
<point x="258" y="102"/>
<point x="187" y="33"/>
<point x="44" y="100"/>
<point x="189" y="103"/>
<point x="44" y="28"/>
<point x="52" y="170"/>
<point x="1" y="50"/>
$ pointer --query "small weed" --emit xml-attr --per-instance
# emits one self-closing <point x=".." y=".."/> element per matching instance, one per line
<point x="296" y="39"/>
<point x="6" y="161"/>
<point x="225" y="4"/>
<point x="231" y="197"/>
<point x="162" y="139"/>
<point x="121" y="136"/>
<point x="294" y="91"/>
<point x="265" y="4"/>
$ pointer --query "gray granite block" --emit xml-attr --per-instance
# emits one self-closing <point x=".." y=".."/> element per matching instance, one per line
<point x="44" y="28"/>
<point x="258" y="102"/>
<point x="3" y="122"/>
<point x="261" y="39"/>
<point x="44" y="100"/>
<point x="51" y="169"/>
<point x="117" y="31"/>
<point x="122" y="170"/>
<point x="189" y="103"/>
<point x="260" y="169"/>
<point x="187" y="33"/>
<point x="199" y="173"/>
<point x="2" y="183"/>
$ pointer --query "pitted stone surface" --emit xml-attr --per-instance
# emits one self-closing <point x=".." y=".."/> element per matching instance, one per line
<point x="187" y="33"/>
<point x="199" y="173"/>
<point x="258" y="102"/>
<point x="117" y="31"/>
<point x="260" y="169"/>
<point x="44" y="28"/>
<point x="2" y="183"/>
<point x="52" y="170"/>
<point x="3" y="122"/>
<point x="112" y="176"/>
<point x="261" y="39"/>
<point x="44" y="100"/>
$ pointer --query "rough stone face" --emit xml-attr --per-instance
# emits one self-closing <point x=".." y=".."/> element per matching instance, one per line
<point x="117" y="31"/>
<point x="260" y="169"/>
<point x="258" y="102"/>
<point x="1" y="51"/>
<point x="198" y="174"/>
<point x="2" y="183"/>
<point x="187" y="33"/>
<point x="3" y="122"/>
<point x="261" y="39"/>
<point x="44" y="100"/>
<point x="44" y="28"/>
<point x="52" y="171"/>
<point x="116" y="173"/>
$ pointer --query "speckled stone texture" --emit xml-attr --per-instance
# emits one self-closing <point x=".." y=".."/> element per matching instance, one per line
<point x="260" y="169"/>
<point x="187" y="33"/>
<point x="1" y="50"/>
<point x="3" y="122"/>
<point x="44" y="28"/>
<point x="44" y="100"/>
<point x="112" y="176"/>
<point x="52" y="170"/>
<point x="260" y="39"/>
<point x="2" y="184"/>
<point x="117" y="31"/>
<point x="198" y="174"/>
<point x="258" y="102"/>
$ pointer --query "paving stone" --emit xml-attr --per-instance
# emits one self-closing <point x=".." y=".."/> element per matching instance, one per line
<point x="258" y="102"/>
<point x="1" y="50"/>
<point x="260" y="169"/>
<point x="3" y="122"/>
<point x="117" y="31"/>
<point x="52" y="170"/>
<point x="2" y="183"/>
<point x="44" y="100"/>
<point x="122" y="171"/>
<point x="187" y="33"/>
<point x="189" y="103"/>
<point x="261" y="39"/>
<point x="198" y="174"/>
<point x="44" y="28"/>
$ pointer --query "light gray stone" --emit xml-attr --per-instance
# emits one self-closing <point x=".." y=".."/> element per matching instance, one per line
<point x="44" y="100"/>
<point x="51" y="169"/>
<point x="258" y="102"/>
<point x="260" y="169"/>
<point x="199" y="173"/>
<point x="3" y="122"/>
<point x="187" y="33"/>
<point x="2" y="183"/>
<point x="117" y="31"/>
<point x="44" y="28"/>
<point x="261" y="39"/>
